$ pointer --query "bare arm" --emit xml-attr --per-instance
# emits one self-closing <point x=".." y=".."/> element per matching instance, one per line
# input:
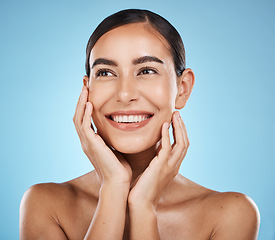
<point x="109" y="219"/>
<point x="143" y="223"/>
<point x="115" y="176"/>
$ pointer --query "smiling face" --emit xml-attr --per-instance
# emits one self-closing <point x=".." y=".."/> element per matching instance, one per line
<point x="132" y="86"/>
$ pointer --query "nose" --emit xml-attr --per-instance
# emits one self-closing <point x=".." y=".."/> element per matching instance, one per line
<point x="127" y="90"/>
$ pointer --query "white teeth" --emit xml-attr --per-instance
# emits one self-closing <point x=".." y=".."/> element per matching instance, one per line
<point x="129" y="118"/>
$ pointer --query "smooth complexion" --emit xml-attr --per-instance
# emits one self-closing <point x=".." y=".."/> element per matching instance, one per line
<point x="135" y="191"/>
<point x="132" y="85"/>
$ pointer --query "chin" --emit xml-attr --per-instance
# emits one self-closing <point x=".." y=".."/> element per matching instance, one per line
<point x="129" y="150"/>
<point x="133" y="146"/>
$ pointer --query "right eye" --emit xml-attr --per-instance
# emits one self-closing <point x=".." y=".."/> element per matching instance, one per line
<point x="104" y="73"/>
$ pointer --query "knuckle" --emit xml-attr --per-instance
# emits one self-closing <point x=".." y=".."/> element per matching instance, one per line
<point x="82" y="129"/>
<point x="168" y="148"/>
<point x="180" y="143"/>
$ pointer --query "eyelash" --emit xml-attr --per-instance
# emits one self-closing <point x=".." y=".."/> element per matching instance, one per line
<point x="101" y="71"/>
<point x="147" y="69"/>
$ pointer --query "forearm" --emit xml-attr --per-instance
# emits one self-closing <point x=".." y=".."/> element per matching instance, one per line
<point x="143" y="223"/>
<point x="109" y="218"/>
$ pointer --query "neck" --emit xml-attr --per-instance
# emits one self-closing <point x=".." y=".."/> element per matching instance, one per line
<point x="140" y="161"/>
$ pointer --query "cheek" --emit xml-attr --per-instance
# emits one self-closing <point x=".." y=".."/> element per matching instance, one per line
<point x="98" y="94"/>
<point x="164" y="95"/>
<point x="97" y="98"/>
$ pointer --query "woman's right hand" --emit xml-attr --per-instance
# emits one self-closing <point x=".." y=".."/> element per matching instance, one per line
<point x="111" y="167"/>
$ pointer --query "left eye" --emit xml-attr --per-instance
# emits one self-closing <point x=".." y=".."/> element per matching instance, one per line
<point x="104" y="73"/>
<point x="147" y="71"/>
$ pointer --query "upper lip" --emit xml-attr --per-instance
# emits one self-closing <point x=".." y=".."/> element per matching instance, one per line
<point x="130" y="112"/>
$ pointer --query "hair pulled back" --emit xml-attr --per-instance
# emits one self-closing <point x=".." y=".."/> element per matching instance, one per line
<point x="159" y="23"/>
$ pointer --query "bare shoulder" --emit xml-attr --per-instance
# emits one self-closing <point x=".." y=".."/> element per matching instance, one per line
<point x="44" y="195"/>
<point x="208" y="214"/>
<point x="38" y="215"/>
<point x="44" y="206"/>
<point x="236" y="216"/>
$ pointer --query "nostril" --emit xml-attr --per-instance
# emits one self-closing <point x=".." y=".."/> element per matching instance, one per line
<point x="127" y="93"/>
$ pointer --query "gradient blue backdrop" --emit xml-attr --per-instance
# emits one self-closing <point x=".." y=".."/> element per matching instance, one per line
<point x="229" y="117"/>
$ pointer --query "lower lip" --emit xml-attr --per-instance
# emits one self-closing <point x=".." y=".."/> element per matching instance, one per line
<point x="129" y="126"/>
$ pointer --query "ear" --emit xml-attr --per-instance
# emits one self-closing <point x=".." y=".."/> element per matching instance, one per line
<point x="185" y="85"/>
<point x="86" y="81"/>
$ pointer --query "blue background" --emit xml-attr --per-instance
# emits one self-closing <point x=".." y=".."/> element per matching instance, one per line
<point x="229" y="117"/>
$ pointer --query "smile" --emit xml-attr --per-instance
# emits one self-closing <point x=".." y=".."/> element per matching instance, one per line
<point x="129" y="120"/>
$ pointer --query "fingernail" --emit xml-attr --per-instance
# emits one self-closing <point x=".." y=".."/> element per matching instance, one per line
<point x="178" y="115"/>
<point x="166" y="125"/>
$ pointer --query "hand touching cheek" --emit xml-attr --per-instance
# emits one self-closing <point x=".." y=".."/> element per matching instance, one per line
<point x="163" y="168"/>
<point x="111" y="167"/>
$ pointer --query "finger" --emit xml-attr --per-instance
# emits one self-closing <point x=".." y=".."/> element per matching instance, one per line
<point x="186" y="142"/>
<point x="80" y="109"/>
<point x="88" y="110"/>
<point x="177" y="130"/>
<point x="165" y="141"/>
<point x="180" y="144"/>
<point x="186" y="139"/>
<point x="86" y="124"/>
<point x="77" y="104"/>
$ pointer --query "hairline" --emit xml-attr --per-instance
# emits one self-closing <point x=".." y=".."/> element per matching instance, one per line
<point x="149" y="26"/>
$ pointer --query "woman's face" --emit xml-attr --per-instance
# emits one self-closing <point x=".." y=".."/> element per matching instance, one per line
<point x="132" y="86"/>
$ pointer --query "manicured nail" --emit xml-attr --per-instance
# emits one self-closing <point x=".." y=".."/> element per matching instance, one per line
<point x="166" y="125"/>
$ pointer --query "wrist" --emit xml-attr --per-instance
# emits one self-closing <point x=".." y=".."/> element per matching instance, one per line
<point x="114" y="188"/>
<point x="135" y="201"/>
<point x="141" y="206"/>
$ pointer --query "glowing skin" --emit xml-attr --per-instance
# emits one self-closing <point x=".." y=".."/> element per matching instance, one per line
<point x="130" y="86"/>
<point x="139" y="195"/>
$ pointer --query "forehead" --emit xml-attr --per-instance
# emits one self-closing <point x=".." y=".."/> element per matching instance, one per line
<point x="131" y="41"/>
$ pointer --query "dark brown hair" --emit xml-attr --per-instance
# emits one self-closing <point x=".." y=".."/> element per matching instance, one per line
<point x="159" y="23"/>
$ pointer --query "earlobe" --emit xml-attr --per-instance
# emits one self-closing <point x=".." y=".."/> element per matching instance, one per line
<point x="86" y="81"/>
<point x="185" y="85"/>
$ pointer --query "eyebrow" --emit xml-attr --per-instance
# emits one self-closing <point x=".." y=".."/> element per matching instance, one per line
<point x="104" y="61"/>
<point x="145" y="59"/>
<point x="137" y="61"/>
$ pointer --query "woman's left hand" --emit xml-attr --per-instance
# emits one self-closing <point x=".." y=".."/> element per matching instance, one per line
<point x="163" y="168"/>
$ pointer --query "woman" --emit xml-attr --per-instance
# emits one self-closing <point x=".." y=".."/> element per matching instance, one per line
<point x="135" y="79"/>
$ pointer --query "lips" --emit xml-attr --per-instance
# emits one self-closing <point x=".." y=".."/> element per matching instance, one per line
<point x="129" y="120"/>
